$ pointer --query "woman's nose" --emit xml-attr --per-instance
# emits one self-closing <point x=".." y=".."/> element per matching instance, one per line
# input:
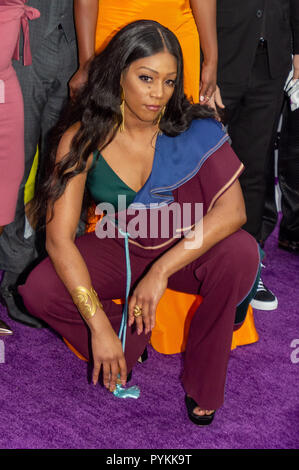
<point x="157" y="89"/>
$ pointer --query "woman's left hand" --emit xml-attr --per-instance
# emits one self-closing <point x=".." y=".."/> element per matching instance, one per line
<point x="147" y="295"/>
<point x="216" y="101"/>
<point x="209" y="92"/>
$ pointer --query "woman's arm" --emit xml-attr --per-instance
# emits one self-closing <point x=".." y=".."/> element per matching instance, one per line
<point x="226" y="217"/>
<point x="72" y="270"/>
<point x="86" y="14"/>
<point x="204" y="12"/>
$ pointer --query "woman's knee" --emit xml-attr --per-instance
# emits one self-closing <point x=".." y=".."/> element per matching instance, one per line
<point x="242" y="253"/>
<point x="39" y="288"/>
<point x="245" y="266"/>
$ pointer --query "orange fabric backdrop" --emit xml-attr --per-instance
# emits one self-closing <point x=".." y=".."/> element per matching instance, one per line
<point x="174" y="14"/>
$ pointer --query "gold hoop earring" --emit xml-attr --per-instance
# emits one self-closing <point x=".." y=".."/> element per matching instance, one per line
<point x="161" y="114"/>
<point x="122" y="110"/>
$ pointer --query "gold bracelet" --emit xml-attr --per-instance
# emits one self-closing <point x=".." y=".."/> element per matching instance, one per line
<point x="87" y="301"/>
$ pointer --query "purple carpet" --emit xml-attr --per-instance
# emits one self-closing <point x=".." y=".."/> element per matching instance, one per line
<point x="47" y="401"/>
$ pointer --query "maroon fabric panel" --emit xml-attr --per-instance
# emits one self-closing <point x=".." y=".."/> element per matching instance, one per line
<point x="215" y="176"/>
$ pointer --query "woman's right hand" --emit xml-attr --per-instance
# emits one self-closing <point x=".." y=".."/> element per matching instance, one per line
<point x="108" y="353"/>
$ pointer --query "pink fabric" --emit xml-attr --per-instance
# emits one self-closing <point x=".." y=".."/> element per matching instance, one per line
<point x="2" y="88"/>
<point x="11" y="10"/>
<point x="13" y="13"/>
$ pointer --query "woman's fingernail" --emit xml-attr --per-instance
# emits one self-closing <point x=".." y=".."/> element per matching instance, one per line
<point x="202" y="98"/>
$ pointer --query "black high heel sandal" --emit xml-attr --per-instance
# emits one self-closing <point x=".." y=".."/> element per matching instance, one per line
<point x="204" y="420"/>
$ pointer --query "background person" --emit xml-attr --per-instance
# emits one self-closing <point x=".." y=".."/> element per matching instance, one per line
<point x="13" y="13"/>
<point x="255" y="45"/>
<point x="287" y="173"/>
<point x="44" y="86"/>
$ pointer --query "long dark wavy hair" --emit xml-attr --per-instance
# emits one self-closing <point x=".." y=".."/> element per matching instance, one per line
<point x="97" y="107"/>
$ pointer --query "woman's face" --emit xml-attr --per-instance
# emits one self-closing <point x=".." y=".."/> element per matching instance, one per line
<point x="148" y="85"/>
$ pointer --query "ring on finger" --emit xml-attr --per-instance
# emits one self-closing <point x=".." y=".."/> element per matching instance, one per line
<point x="137" y="311"/>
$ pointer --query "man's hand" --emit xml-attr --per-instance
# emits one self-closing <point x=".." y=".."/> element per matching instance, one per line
<point x="77" y="81"/>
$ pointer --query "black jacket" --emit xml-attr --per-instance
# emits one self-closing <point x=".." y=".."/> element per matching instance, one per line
<point x="240" y="24"/>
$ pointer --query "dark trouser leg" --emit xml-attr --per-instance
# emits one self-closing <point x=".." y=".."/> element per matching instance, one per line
<point x="288" y="174"/>
<point x="46" y="297"/>
<point x="15" y="251"/>
<point x="223" y="276"/>
<point x="64" y="66"/>
<point x="252" y="114"/>
<point x="63" y="69"/>
<point x="270" y="213"/>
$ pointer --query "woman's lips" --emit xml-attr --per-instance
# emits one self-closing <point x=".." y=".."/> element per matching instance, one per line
<point x="153" y="108"/>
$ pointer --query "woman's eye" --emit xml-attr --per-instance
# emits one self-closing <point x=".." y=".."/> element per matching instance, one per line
<point x="145" y="78"/>
<point x="170" y="83"/>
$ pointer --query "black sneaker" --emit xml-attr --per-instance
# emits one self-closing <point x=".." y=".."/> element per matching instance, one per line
<point x="264" y="299"/>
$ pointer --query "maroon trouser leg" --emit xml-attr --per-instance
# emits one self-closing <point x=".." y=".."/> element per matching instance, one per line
<point x="223" y="276"/>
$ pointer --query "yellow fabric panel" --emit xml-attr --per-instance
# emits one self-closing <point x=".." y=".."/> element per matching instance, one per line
<point x="247" y="334"/>
<point x="173" y="318"/>
<point x="29" y="187"/>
